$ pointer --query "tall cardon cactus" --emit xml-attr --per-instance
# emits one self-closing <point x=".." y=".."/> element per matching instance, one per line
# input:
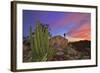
<point x="41" y="51"/>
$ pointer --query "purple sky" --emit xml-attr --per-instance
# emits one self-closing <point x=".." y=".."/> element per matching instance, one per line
<point x="72" y="23"/>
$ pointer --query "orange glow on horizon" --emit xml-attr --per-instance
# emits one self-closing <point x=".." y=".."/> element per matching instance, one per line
<point x="84" y="33"/>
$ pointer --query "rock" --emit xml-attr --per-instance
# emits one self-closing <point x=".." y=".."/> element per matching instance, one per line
<point x="59" y="53"/>
<point x="27" y="57"/>
<point x="58" y="42"/>
<point x="27" y="53"/>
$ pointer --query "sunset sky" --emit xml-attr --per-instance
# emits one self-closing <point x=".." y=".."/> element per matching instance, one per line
<point x="76" y="25"/>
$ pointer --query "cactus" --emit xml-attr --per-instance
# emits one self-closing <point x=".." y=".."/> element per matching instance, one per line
<point x="41" y="51"/>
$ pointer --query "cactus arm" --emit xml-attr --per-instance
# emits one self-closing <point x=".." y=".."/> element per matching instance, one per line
<point x="32" y="45"/>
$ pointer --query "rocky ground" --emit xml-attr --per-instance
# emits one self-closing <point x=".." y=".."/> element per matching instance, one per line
<point x="64" y="50"/>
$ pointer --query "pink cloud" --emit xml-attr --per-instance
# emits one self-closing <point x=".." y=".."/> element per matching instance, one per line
<point x="84" y="32"/>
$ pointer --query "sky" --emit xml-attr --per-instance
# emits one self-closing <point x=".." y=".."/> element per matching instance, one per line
<point x="75" y="24"/>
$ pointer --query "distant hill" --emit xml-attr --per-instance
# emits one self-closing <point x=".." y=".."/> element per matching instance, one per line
<point x="82" y="45"/>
